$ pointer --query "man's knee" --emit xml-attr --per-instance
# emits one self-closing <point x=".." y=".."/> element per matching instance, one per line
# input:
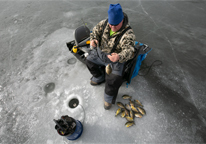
<point x="89" y="63"/>
<point x="94" y="68"/>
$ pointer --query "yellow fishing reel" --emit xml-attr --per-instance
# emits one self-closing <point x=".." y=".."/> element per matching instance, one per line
<point x="74" y="49"/>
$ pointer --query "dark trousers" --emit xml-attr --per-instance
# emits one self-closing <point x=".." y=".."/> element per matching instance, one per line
<point x="96" y="62"/>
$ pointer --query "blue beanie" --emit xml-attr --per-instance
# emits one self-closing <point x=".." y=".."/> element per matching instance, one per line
<point x="115" y="14"/>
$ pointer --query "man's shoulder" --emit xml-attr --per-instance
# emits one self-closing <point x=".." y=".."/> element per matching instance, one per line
<point x="102" y="22"/>
<point x="129" y="30"/>
<point x="129" y="34"/>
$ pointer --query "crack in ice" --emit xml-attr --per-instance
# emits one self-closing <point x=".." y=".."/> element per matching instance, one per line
<point x="186" y="81"/>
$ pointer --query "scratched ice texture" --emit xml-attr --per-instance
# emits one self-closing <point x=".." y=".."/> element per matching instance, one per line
<point x="33" y="53"/>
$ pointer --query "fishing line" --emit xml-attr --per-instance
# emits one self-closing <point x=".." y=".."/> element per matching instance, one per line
<point x="85" y="25"/>
<point x="149" y="67"/>
<point x="84" y="113"/>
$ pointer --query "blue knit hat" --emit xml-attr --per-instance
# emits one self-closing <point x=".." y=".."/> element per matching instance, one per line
<point x="115" y="14"/>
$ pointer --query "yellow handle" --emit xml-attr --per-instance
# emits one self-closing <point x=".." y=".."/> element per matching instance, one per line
<point x="74" y="49"/>
<point x="87" y="42"/>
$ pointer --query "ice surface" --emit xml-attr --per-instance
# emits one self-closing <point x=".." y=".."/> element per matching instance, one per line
<point x="34" y="53"/>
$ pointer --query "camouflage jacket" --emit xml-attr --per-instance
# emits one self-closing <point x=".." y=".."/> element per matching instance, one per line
<point x="125" y="48"/>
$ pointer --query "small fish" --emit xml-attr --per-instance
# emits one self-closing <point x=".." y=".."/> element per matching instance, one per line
<point x="126" y="97"/>
<point x="142" y="111"/>
<point x="134" y="109"/>
<point x="126" y="112"/>
<point x="129" y="118"/>
<point x="128" y="124"/>
<point x="131" y="103"/>
<point x="108" y="69"/>
<point x="138" y="103"/>
<point x="118" y="111"/>
<point x="123" y="114"/>
<point x="138" y="115"/>
<point x="120" y="105"/>
<point x="127" y="106"/>
<point x="131" y="114"/>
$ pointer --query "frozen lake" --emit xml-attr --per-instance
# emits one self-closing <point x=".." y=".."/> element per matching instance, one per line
<point x="33" y="53"/>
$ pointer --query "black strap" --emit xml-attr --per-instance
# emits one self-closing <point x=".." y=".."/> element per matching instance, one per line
<point x="118" y="38"/>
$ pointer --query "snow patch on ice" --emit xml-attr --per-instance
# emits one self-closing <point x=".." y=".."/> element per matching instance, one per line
<point x="69" y="14"/>
<point x="49" y="142"/>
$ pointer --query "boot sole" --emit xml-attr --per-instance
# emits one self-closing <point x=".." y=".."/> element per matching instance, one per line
<point x="95" y="84"/>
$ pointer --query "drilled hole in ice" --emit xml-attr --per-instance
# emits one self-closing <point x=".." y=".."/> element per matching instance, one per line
<point x="73" y="103"/>
<point x="71" y="61"/>
<point x="49" y="87"/>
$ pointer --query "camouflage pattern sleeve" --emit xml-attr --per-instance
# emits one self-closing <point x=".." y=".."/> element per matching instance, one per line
<point x="97" y="31"/>
<point x="127" y="45"/>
